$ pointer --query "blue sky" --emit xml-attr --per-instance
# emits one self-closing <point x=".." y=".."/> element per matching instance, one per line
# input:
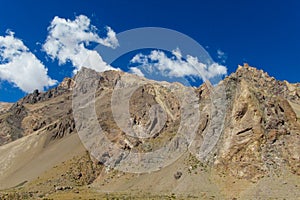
<point x="264" y="34"/>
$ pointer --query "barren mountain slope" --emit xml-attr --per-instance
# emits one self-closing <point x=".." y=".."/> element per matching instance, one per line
<point x="246" y="143"/>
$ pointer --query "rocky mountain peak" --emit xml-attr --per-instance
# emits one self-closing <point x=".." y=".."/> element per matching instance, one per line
<point x="253" y="74"/>
<point x="259" y="79"/>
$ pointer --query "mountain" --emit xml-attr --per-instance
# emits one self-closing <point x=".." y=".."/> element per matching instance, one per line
<point x="148" y="139"/>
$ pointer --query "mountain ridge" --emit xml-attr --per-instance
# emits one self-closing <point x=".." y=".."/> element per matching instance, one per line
<point x="259" y="135"/>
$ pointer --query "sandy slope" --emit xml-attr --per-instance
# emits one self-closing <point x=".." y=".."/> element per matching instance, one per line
<point x="27" y="158"/>
<point x="196" y="182"/>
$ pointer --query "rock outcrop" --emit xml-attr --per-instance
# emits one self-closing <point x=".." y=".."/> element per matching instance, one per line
<point x="260" y="126"/>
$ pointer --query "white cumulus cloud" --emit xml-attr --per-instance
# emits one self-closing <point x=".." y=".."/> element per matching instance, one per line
<point x="136" y="71"/>
<point x="68" y="40"/>
<point x="158" y="61"/>
<point x="20" y="67"/>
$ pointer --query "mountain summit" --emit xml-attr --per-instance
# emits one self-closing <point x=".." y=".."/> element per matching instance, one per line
<point x="239" y="139"/>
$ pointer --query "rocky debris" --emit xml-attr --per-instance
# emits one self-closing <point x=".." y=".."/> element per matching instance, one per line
<point x="63" y="188"/>
<point x="14" y="195"/>
<point x="177" y="175"/>
<point x="80" y="171"/>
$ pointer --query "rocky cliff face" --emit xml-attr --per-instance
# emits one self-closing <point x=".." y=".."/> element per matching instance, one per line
<point x="262" y="132"/>
<point x="51" y="110"/>
<point x="249" y="125"/>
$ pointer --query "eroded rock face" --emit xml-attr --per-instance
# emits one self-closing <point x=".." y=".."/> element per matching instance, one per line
<point x="241" y="142"/>
<point x="39" y="111"/>
<point x="11" y="123"/>
<point x="262" y="130"/>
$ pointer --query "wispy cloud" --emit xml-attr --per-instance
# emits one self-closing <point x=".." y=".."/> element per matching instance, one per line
<point x="158" y="61"/>
<point x="68" y="40"/>
<point x="21" y="67"/>
<point x="221" y="56"/>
